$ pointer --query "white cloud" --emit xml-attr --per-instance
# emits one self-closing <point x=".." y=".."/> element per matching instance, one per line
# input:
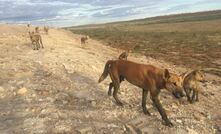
<point x="76" y="12"/>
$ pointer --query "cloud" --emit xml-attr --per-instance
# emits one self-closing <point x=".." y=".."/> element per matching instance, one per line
<point x="78" y="12"/>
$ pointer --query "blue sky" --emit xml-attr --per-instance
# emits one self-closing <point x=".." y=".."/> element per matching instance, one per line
<point x="80" y="12"/>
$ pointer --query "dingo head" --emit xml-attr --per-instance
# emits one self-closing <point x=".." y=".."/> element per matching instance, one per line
<point x="174" y="84"/>
<point x="199" y="75"/>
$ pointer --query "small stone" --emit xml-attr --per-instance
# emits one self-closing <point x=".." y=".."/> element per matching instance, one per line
<point x="197" y="116"/>
<point x="191" y="131"/>
<point x="178" y="121"/>
<point x="130" y="129"/>
<point x="2" y="89"/>
<point x="12" y="81"/>
<point x="93" y="103"/>
<point x="174" y="106"/>
<point x="94" y="67"/>
<point x="122" y="93"/>
<point x="112" y="125"/>
<point x="62" y="96"/>
<point x="20" y="83"/>
<point x="50" y="99"/>
<point x="33" y="110"/>
<point x="169" y="113"/>
<point x="64" y="102"/>
<point x="208" y="116"/>
<point x="43" y="111"/>
<point x="54" y="115"/>
<point x="85" y="130"/>
<point x="63" y="115"/>
<point x="138" y="122"/>
<point x="33" y="95"/>
<point x="22" y="91"/>
<point x="62" y="127"/>
<point x="149" y="130"/>
<point x="35" y="125"/>
<point x="26" y="109"/>
<point x="124" y="128"/>
<point x="45" y="93"/>
<point x="87" y="116"/>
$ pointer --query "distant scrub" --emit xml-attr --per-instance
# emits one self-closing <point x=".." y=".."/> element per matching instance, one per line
<point x="191" y="44"/>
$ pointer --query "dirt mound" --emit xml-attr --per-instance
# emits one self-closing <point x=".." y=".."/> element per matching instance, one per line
<point x="55" y="90"/>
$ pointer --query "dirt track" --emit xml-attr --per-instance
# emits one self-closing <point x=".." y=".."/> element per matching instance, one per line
<point x="55" y="90"/>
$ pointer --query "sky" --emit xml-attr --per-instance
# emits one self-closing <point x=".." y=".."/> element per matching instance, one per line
<point x="62" y="13"/>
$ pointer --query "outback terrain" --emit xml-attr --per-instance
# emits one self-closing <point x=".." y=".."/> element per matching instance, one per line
<point x="190" y="40"/>
<point x="55" y="89"/>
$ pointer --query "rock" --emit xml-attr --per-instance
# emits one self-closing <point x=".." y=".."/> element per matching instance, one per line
<point x="112" y="126"/>
<point x="87" y="116"/>
<point x="94" y="67"/>
<point x="62" y="96"/>
<point x="68" y="68"/>
<point x="178" y="121"/>
<point x="62" y="127"/>
<point x="33" y="95"/>
<point x="12" y="81"/>
<point x="85" y="130"/>
<point x="49" y="112"/>
<point x="54" y="116"/>
<point x="64" y="102"/>
<point x="44" y="93"/>
<point x="34" y="125"/>
<point x="2" y="92"/>
<point x="149" y="130"/>
<point x="20" y="83"/>
<point x="174" y="106"/>
<point x="44" y="112"/>
<point x="22" y="91"/>
<point x="93" y="103"/>
<point x="138" y="122"/>
<point x="208" y="116"/>
<point x="2" y="89"/>
<point x="180" y="130"/>
<point x="191" y="131"/>
<point x="50" y="99"/>
<point x="63" y="115"/>
<point x="169" y="112"/>
<point x="33" y="110"/>
<point x="197" y="116"/>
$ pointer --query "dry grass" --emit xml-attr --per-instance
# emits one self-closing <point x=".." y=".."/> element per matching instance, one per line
<point x="193" y="43"/>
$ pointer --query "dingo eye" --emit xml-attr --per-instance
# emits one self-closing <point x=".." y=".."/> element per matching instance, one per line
<point x="174" y="84"/>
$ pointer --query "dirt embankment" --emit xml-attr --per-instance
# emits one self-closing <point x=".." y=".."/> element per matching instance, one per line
<point x="55" y="90"/>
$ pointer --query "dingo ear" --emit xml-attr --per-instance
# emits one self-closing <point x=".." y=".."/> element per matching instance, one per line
<point x="166" y="74"/>
<point x="183" y="75"/>
<point x="195" y="72"/>
<point x="199" y="71"/>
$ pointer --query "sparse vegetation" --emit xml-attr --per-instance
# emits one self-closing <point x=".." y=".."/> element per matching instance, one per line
<point x="192" y="42"/>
